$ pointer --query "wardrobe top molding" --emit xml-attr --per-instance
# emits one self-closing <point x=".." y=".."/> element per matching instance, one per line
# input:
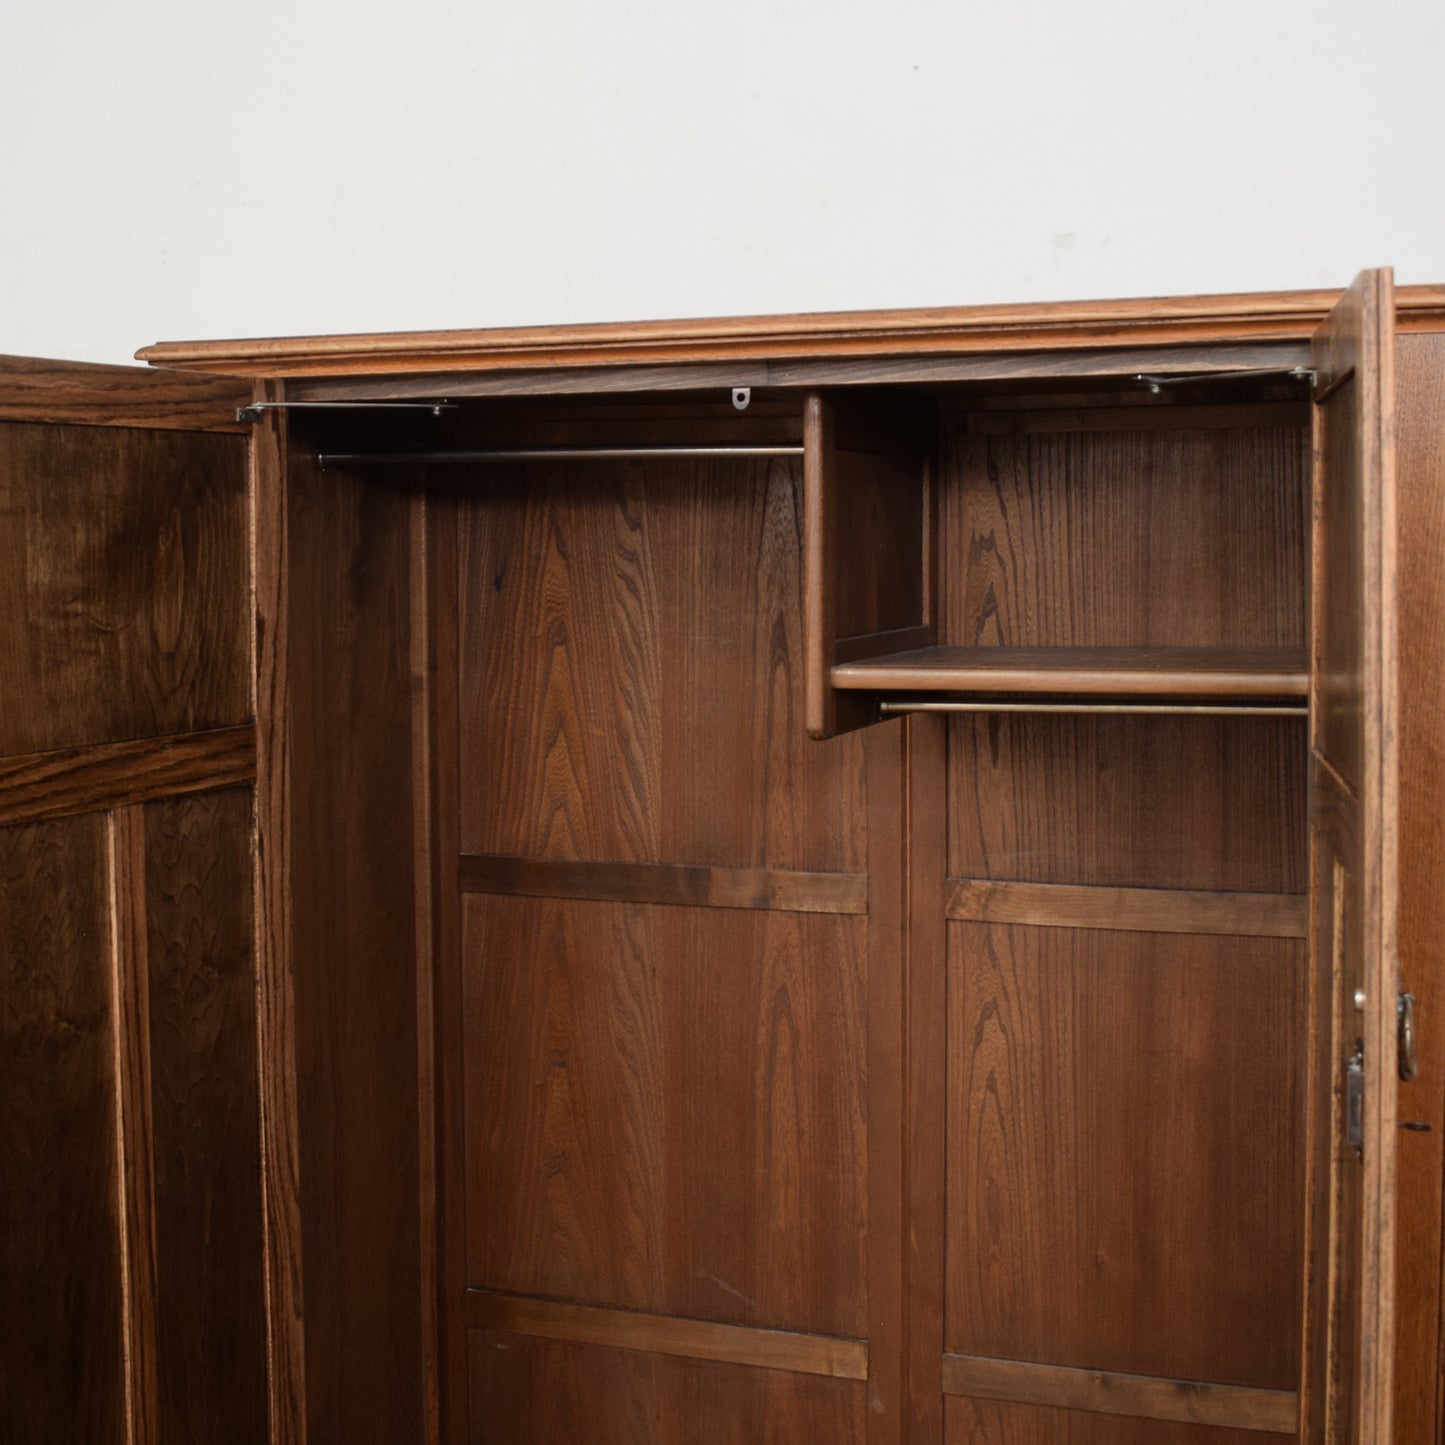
<point x="809" y="340"/>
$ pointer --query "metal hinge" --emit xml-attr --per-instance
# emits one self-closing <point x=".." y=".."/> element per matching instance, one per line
<point x="1355" y="1100"/>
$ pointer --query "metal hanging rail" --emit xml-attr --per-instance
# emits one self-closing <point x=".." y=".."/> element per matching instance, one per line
<point x="1150" y="709"/>
<point x="550" y="454"/>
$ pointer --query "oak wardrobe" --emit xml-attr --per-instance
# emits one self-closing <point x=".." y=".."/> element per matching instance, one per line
<point x="867" y="879"/>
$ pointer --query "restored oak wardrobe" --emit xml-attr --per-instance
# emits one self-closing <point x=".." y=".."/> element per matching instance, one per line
<point x="853" y="879"/>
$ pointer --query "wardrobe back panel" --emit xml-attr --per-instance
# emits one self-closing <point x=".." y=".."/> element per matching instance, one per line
<point x="631" y="686"/>
<point x="1181" y="528"/>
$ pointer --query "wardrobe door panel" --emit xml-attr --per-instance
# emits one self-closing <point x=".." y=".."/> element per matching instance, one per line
<point x="1354" y="873"/>
<point x="991" y="1422"/>
<point x="62" y="1307"/>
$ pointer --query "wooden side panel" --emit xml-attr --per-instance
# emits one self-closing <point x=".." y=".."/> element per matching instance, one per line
<point x="631" y="638"/>
<point x="1135" y="537"/>
<point x="353" y="923"/>
<point x="548" y="1392"/>
<point x="62" y="1374"/>
<point x="123" y="591"/>
<point x="1124" y="1163"/>
<point x="211" y="1328"/>
<point x="1354" y="861"/>
<point x="1420" y="403"/>
<point x="666" y="1109"/>
<point x="866" y="544"/>
<point x="1130" y="802"/>
<point x="990" y="1422"/>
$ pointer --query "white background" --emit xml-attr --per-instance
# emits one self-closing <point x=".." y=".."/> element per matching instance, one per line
<point x="184" y="169"/>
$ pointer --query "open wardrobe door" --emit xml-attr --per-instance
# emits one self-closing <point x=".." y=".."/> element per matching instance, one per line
<point x="1359" y="1020"/>
<point x="132" y="1193"/>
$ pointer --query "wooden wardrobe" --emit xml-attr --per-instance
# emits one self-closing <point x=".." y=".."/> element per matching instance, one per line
<point x="814" y="879"/>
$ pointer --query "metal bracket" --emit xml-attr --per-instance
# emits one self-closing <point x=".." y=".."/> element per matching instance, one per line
<point x="1156" y="384"/>
<point x="742" y="395"/>
<point x="258" y="409"/>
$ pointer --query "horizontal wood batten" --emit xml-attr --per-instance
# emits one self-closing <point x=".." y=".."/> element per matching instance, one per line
<point x="1144" y="1397"/>
<point x="1135" y="910"/>
<point x="109" y="775"/>
<point x="1290" y="315"/>
<point x="671" y="883"/>
<point x="764" y="1349"/>
<point x="83" y="394"/>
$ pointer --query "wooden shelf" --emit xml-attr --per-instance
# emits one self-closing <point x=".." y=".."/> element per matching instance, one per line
<point x="1244" y="674"/>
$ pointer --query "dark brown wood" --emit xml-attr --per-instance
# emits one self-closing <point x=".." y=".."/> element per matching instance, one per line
<point x="203" y="1106"/>
<point x="1354" y="850"/>
<point x="652" y="708"/>
<point x="531" y="1391"/>
<point x="277" y="1039"/>
<point x="1122" y="1137"/>
<point x="864" y="530"/>
<point x="135" y="1131"/>
<point x="83" y="394"/>
<point x="1134" y="538"/>
<point x="789" y="892"/>
<point x="352" y="875"/>
<point x="122" y="585"/>
<point x="926" y="973"/>
<point x="1420" y="1210"/>
<point x="605" y="1041"/>
<point x="1145" y="910"/>
<point x="994" y="1422"/>
<point x="113" y="775"/>
<point x="887" y="1012"/>
<point x="1102" y="1392"/>
<point x="1179" y="803"/>
<point x="1162" y="321"/>
<point x="1227" y="673"/>
<point x="803" y="1354"/>
<point x="61" y="1302"/>
<point x="446" y="1024"/>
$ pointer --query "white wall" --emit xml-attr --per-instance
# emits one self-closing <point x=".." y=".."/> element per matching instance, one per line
<point x="186" y="169"/>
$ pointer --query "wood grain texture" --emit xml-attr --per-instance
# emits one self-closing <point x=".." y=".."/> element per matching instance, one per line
<point x="204" y="1108"/>
<point x="1356" y="841"/>
<point x="1189" y="803"/>
<point x="993" y="1422"/>
<point x="1160" y="321"/>
<point x="353" y="921"/>
<point x="1085" y="672"/>
<point x="527" y="1391"/>
<point x="112" y="775"/>
<point x="887" y="1030"/>
<point x="1138" y="1396"/>
<point x="122" y="585"/>
<point x="277" y="1040"/>
<point x="1124" y="1163"/>
<point x="864" y="540"/>
<point x="135" y="1124"/>
<point x="666" y="1109"/>
<point x="926" y="743"/>
<point x="658" y="673"/>
<point x="756" y="888"/>
<point x="1133" y="538"/>
<point x="1144" y="910"/>
<point x="1420" y="1217"/>
<point x="60" y="1183"/>
<point x="88" y="395"/>
<point x="790" y="1350"/>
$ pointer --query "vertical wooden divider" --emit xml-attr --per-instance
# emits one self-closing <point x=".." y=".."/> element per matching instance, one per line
<point x="276" y="1036"/>
<point x="439" y="1016"/>
<point x="136" y="1181"/>
<point x="887" y="1064"/>
<point x="925" y="830"/>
